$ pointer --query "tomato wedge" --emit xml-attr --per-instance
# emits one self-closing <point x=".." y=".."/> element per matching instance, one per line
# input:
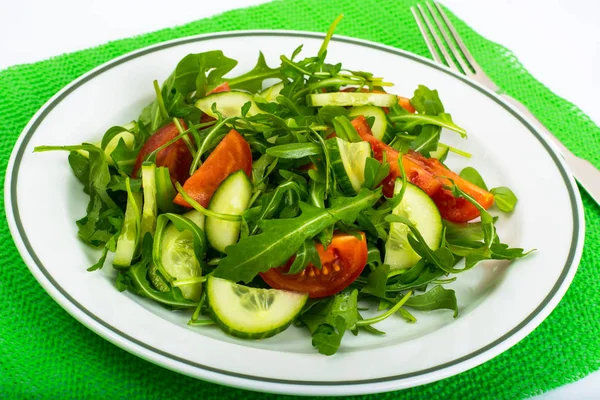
<point x="453" y="208"/>
<point x="342" y="263"/>
<point x="416" y="171"/>
<point x="231" y="154"/>
<point x="223" y="87"/>
<point x="176" y="157"/>
<point x="430" y="175"/>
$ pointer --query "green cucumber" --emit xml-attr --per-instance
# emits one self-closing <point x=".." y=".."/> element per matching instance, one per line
<point x="270" y="94"/>
<point x="380" y="125"/>
<point x="441" y="152"/>
<point x="348" y="162"/>
<point x="418" y="207"/>
<point x="129" y="238"/>
<point x="150" y="208"/>
<point x="353" y="99"/>
<point x="178" y="257"/>
<point x="229" y="104"/>
<point x="252" y="313"/>
<point x="231" y="197"/>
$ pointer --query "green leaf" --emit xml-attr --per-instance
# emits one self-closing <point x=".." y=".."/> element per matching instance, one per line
<point x="375" y="172"/>
<point x="427" y="101"/>
<point x="409" y="122"/>
<point x="306" y="254"/>
<point x="470" y="174"/>
<point x="81" y="167"/>
<point x="329" y="319"/>
<point x="345" y="130"/>
<point x="294" y="150"/>
<point x="427" y="140"/>
<point x="435" y="299"/>
<point x="377" y="281"/>
<point x="504" y="198"/>
<point x="252" y="80"/>
<point x="328" y="113"/>
<point x="281" y="238"/>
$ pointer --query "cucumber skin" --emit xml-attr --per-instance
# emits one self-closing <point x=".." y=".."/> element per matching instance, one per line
<point x="209" y="221"/>
<point x="246" y="335"/>
<point x="338" y="166"/>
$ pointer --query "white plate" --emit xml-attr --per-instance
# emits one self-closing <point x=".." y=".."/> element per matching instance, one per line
<point x="499" y="304"/>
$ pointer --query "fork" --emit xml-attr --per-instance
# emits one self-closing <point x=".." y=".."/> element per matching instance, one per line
<point x="584" y="172"/>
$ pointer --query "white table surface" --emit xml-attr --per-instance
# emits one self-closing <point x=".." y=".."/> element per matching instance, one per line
<point x="32" y="30"/>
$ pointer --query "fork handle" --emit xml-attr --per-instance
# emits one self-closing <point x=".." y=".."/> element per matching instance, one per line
<point x="584" y="171"/>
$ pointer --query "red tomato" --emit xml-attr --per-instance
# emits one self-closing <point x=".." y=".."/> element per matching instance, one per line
<point x="416" y="171"/>
<point x="453" y="208"/>
<point x="231" y="155"/>
<point x="430" y="175"/>
<point x="223" y="87"/>
<point x="406" y="104"/>
<point x="176" y="157"/>
<point x="342" y="262"/>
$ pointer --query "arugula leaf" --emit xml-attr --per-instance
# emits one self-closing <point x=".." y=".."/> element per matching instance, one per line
<point x="470" y="174"/>
<point x="435" y="299"/>
<point x="345" y="130"/>
<point x="409" y="122"/>
<point x="281" y="238"/>
<point x="377" y="281"/>
<point x="252" y="80"/>
<point x="505" y="199"/>
<point x="81" y="168"/>
<point x="375" y="172"/>
<point x="306" y="254"/>
<point x="427" y="140"/>
<point x="328" y="320"/>
<point x="427" y="101"/>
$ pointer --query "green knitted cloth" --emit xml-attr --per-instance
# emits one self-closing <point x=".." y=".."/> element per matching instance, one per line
<point x="45" y="353"/>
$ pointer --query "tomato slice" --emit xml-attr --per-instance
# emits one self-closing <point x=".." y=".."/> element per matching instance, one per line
<point x="231" y="154"/>
<point x="176" y="157"/>
<point x="453" y="208"/>
<point x="417" y="171"/>
<point x="223" y="87"/>
<point x="430" y="175"/>
<point x="342" y="263"/>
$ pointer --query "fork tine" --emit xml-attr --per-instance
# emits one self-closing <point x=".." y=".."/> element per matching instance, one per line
<point x="465" y="67"/>
<point x="458" y="40"/>
<point x="437" y="39"/>
<point x="430" y="46"/>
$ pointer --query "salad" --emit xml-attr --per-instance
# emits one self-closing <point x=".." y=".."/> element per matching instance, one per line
<point x="287" y="195"/>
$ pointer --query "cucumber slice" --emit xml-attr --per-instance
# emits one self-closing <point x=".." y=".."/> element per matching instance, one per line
<point x="379" y="128"/>
<point x="423" y="213"/>
<point x="129" y="238"/>
<point x="441" y="152"/>
<point x="252" y="313"/>
<point x="231" y="197"/>
<point x="178" y="257"/>
<point x="229" y="104"/>
<point x="150" y="207"/>
<point x="348" y="162"/>
<point x="270" y="94"/>
<point x="354" y="99"/>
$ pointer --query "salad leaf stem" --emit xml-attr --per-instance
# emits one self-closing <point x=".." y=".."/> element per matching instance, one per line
<point x="325" y="43"/>
<point x="200" y="209"/>
<point x="160" y="101"/>
<point x="391" y="311"/>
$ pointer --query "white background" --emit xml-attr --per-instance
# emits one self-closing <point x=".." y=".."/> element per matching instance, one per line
<point x="558" y="41"/>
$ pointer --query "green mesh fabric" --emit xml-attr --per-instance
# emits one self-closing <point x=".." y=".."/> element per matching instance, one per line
<point x="45" y="353"/>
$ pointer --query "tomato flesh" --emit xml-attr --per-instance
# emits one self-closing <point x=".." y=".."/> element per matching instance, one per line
<point x="342" y="262"/>
<point x="176" y="157"/>
<point x="430" y="175"/>
<point x="231" y="154"/>
<point x="223" y="87"/>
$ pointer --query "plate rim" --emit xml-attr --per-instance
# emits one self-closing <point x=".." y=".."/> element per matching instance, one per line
<point x="188" y="367"/>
